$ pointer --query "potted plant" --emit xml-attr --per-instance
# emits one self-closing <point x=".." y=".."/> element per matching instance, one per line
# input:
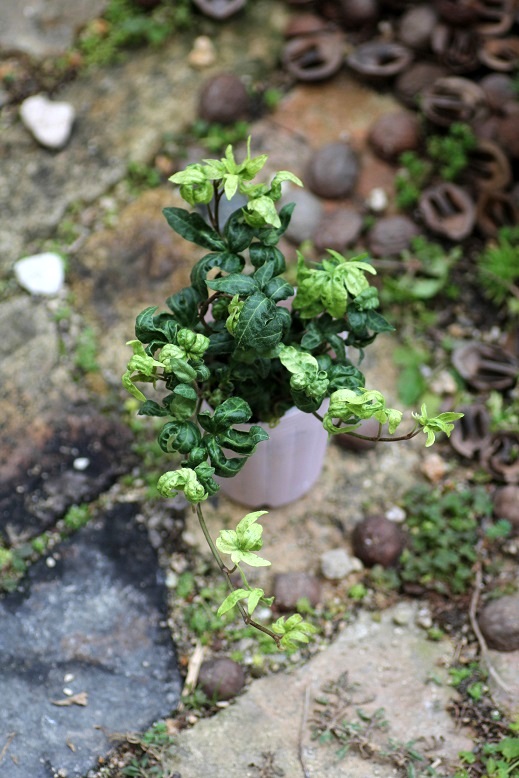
<point x="240" y="348"/>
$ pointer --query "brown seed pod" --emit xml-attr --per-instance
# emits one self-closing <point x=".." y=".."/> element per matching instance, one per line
<point x="314" y="57"/>
<point x="448" y="210"/>
<point x="453" y="99"/>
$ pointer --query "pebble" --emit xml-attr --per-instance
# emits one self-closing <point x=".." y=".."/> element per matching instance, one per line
<point x="81" y="463"/>
<point x="338" y="230"/>
<point x="434" y="467"/>
<point x="396" y="514"/>
<point x="305" y="216"/>
<point x="221" y="678"/>
<point x="378" y="541"/>
<point x="333" y="170"/>
<point x="223" y="99"/>
<point x="499" y="623"/>
<point x="506" y="505"/>
<point x="203" y="53"/>
<point x="403" y="614"/>
<point x="40" y="273"/>
<point x="289" y="588"/>
<point x="50" y="123"/>
<point x="391" y="235"/>
<point x="424" y="618"/>
<point x="337" y="564"/>
<point x="377" y="200"/>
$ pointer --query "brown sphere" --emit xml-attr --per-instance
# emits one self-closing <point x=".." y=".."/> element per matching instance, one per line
<point x="394" y="133"/>
<point x="333" y="170"/>
<point x="223" y="99"/>
<point x="378" y="541"/>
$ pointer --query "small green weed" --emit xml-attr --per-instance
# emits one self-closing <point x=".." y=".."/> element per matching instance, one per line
<point x="427" y="266"/>
<point x="215" y="137"/>
<point x="154" y="752"/>
<point x="142" y="177"/>
<point x="76" y="517"/>
<point x="498" y="269"/>
<point x="85" y="357"/>
<point x="443" y="533"/>
<point x="125" y="25"/>
<point x="451" y="151"/>
<point x="411" y="179"/>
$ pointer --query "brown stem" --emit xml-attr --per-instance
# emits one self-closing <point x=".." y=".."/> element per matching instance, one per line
<point x="478" y="586"/>
<point x="226" y="572"/>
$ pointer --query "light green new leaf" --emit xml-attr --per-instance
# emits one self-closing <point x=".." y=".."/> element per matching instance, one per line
<point x="231" y="185"/>
<point x="264" y="207"/>
<point x="432" y="426"/>
<point x="253" y="596"/>
<point x="243" y="541"/>
<point x="182" y="480"/>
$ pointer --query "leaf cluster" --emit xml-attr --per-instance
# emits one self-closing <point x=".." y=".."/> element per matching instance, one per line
<point x="231" y="350"/>
<point x="443" y="533"/>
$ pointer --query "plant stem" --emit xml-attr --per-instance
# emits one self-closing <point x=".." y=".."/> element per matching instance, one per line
<point x="226" y="573"/>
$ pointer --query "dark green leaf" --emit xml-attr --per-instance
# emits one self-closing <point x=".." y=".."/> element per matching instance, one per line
<point x="159" y="328"/>
<point x="179" y="436"/>
<point x="151" y="408"/>
<point x="222" y="465"/>
<point x="278" y="289"/>
<point x="260" y="254"/>
<point x="263" y="274"/>
<point x="205" y="475"/>
<point x="220" y="342"/>
<point x="184" y="305"/>
<point x="241" y="441"/>
<point x="345" y="377"/>
<point x="238" y="233"/>
<point x="229" y="263"/>
<point x="377" y="323"/>
<point x="234" y="284"/>
<point x="261" y="324"/>
<point x="193" y="228"/>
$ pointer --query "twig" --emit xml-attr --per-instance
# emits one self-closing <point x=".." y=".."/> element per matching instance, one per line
<point x="10" y="737"/>
<point x="478" y="586"/>
<point x="193" y="669"/>
<point x="302" y="729"/>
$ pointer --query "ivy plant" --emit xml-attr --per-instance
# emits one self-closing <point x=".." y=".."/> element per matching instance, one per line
<point x="241" y="345"/>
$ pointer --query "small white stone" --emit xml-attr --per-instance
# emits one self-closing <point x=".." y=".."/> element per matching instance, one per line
<point x="68" y="677"/>
<point x="424" y="619"/>
<point x="40" y="273"/>
<point x="396" y="514"/>
<point x="337" y="564"/>
<point x="80" y="463"/>
<point x="50" y="123"/>
<point x="377" y="200"/>
<point x="68" y="692"/>
<point x="403" y="614"/>
<point x="50" y="562"/>
<point x="203" y="53"/>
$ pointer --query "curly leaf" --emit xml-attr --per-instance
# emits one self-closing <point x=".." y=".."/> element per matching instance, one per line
<point x="193" y="228"/>
<point x="234" y="284"/>
<point x="238" y="233"/>
<point x="182" y="480"/>
<point x="179" y="436"/>
<point x="230" y="263"/>
<point x="234" y="410"/>
<point x="184" y="305"/>
<point x="244" y="541"/>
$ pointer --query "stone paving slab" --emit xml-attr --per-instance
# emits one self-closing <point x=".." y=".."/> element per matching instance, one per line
<point x="392" y="667"/>
<point x="89" y="620"/>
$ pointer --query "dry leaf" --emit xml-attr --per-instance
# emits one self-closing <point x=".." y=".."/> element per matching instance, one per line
<point x="76" y="699"/>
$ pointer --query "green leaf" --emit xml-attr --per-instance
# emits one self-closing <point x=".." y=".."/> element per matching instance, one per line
<point x="184" y="305"/>
<point x="234" y="410"/>
<point x="150" y="327"/>
<point x="229" y="263"/>
<point x="231" y="600"/>
<point x="234" y="284"/>
<point x="241" y="441"/>
<point x="260" y="254"/>
<point x="260" y="325"/>
<point x="238" y="233"/>
<point x="271" y="235"/>
<point x="264" y="208"/>
<point x="183" y="402"/>
<point x="509" y="747"/>
<point x="152" y="408"/>
<point x="223" y="465"/>
<point x="278" y="289"/>
<point x="242" y="542"/>
<point x="193" y="228"/>
<point x="184" y="479"/>
<point x="179" y="436"/>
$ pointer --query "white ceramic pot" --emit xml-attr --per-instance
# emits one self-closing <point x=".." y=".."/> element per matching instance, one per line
<point x="283" y="468"/>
